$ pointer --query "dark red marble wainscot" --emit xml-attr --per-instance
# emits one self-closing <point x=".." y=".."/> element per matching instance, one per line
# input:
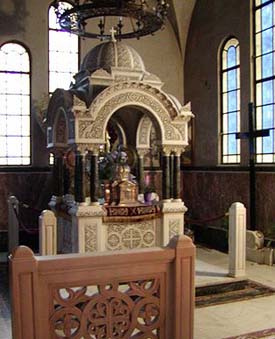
<point x="210" y="193"/>
<point x="32" y="188"/>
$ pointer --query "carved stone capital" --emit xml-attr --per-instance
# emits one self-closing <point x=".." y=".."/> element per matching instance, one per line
<point x="167" y="150"/>
<point x="173" y="207"/>
<point x="88" y="211"/>
<point x="142" y="152"/>
<point x="85" y="147"/>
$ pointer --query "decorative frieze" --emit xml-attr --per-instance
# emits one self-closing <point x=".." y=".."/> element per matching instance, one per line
<point x="129" y="236"/>
<point x="88" y="211"/>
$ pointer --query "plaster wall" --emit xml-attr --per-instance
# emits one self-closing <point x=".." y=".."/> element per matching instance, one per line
<point x="211" y="24"/>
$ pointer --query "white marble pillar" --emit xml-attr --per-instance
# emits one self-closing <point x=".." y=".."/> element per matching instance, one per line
<point x="237" y="240"/>
<point x="87" y="228"/>
<point x="172" y="220"/>
<point x="47" y="233"/>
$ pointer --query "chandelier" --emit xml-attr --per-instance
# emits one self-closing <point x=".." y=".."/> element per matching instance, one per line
<point x="129" y="18"/>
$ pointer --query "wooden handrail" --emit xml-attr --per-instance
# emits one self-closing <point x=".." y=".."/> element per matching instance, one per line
<point x="108" y="294"/>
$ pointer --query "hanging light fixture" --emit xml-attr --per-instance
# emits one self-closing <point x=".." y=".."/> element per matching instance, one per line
<point x="129" y="18"/>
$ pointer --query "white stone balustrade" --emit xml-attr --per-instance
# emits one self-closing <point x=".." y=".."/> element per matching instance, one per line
<point x="237" y="240"/>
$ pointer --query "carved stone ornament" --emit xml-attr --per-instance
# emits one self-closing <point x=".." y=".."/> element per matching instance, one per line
<point x="79" y="104"/>
<point x="174" y="207"/>
<point x="142" y="152"/>
<point x="169" y="149"/>
<point x="174" y="228"/>
<point x="90" y="238"/>
<point x="129" y="93"/>
<point x="131" y="235"/>
<point x="121" y="310"/>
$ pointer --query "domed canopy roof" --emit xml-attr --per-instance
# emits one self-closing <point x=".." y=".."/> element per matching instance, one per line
<point x="112" y="54"/>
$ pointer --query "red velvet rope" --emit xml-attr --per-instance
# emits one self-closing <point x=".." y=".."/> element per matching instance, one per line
<point x="21" y="224"/>
<point x="204" y="221"/>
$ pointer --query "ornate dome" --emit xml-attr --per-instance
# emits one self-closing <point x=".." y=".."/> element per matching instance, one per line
<point x="112" y="54"/>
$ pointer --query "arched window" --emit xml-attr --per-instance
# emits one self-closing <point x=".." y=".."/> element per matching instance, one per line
<point x="63" y="53"/>
<point x="264" y="78"/>
<point x="230" y="102"/>
<point x="14" y="105"/>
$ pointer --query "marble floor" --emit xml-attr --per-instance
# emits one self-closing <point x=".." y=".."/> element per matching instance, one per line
<point x="236" y="318"/>
<point x="212" y="322"/>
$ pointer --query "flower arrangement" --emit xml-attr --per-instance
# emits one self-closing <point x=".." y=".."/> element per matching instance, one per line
<point x="108" y="162"/>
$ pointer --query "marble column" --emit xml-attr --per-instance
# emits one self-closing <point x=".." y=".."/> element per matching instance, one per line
<point x="58" y="189"/>
<point x="78" y="177"/>
<point x="141" y="171"/>
<point x="176" y="176"/>
<point x="66" y="180"/>
<point x="94" y="178"/>
<point x="172" y="175"/>
<point x="165" y="176"/>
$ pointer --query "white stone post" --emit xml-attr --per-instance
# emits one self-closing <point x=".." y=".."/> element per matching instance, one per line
<point x="87" y="228"/>
<point x="13" y="224"/>
<point x="237" y="240"/>
<point x="47" y="233"/>
<point x="172" y="220"/>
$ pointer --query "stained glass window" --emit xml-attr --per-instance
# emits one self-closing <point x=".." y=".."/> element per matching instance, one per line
<point x="264" y="76"/>
<point x="63" y="53"/>
<point x="230" y="89"/>
<point x="14" y="105"/>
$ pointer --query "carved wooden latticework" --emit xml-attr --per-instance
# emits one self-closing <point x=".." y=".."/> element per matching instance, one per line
<point x="137" y="294"/>
<point x="122" y="310"/>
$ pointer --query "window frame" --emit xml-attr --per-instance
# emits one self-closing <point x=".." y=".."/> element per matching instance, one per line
<point x="222" y="70"/>
<point x="59" y="30"/>
<point x="10" y="167"/>
<point x="262" y="80"/>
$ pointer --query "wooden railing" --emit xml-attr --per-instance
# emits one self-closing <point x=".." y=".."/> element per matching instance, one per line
<point x="147" y="293"/>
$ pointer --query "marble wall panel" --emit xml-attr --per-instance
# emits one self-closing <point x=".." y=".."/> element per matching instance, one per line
<point x="208" y="194"/>
<point x="266" y="202"/>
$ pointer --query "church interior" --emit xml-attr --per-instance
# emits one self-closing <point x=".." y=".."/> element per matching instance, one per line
<point x="124" y="125"/>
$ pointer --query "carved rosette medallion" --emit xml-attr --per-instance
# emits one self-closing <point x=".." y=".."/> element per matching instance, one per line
<point x="109" y="315"/>
<point x="121" y="310"/>
<point x="131" y="235"/>
<point x="90" y="238"/>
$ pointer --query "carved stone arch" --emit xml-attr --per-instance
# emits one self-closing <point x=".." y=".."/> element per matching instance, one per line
<point x="148" y="98"/>
<point x="59" y="98"/>
<point x="119" y="129"/>
<point x="60" y="129"/>
<point x="143" y="133"/>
